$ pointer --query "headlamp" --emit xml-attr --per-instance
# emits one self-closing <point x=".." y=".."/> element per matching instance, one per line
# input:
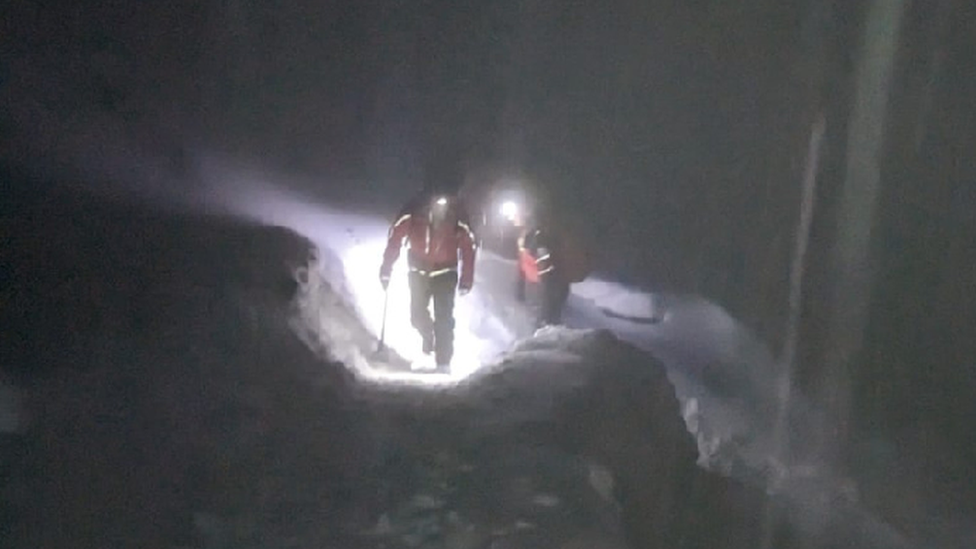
<point x="509" y="210"/>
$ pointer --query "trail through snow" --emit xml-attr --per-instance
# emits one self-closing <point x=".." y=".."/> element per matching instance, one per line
<point x="488" y="320"/>
<point x="721" y="373"/>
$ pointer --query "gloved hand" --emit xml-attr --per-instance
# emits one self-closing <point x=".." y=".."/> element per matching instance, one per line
<point x="463" y="290"/>
<point x="384" y="277"/>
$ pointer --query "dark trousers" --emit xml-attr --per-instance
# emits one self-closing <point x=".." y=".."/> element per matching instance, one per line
<point x="548" y="297"/>
<point x="554" y="291"/>
<point x="440" y="289"/>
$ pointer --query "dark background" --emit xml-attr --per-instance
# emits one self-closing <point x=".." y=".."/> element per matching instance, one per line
<point x="675" y="132"/>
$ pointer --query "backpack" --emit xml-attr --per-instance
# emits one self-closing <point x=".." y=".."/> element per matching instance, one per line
<point x="573" y="259"/>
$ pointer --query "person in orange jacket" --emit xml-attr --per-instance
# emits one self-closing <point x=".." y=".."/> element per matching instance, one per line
<point x="434" y="227"/>
<point x="551" y="261"/>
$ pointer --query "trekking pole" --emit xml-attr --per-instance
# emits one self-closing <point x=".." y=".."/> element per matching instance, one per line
<point x="381" y="346"/>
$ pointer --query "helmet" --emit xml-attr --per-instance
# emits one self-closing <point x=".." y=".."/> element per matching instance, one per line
<point x="440" y="204"/>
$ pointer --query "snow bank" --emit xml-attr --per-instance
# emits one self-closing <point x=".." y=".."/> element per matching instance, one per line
<point x="325" y="322"/>
<point x="617" y="300"/>
<point x="513" y="495"/>
<point x="615" y="405"/>
<point x="564" y="383"/>
<point x="350" y="249"/>
<point x="605" y="399"/>
<point x="170" y="405"/>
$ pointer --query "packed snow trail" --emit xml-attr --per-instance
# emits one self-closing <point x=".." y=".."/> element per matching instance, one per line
<point x="720" y="372"/>
<point x="489" y="319"/>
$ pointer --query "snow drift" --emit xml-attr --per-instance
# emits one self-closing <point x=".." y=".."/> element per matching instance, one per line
<point x="164" y="402"/>
<point x="162" y="398"/>
<point x="542" y="407"/>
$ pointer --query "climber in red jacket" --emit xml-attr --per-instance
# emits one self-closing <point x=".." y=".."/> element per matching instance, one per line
<point x="435" y="230"/>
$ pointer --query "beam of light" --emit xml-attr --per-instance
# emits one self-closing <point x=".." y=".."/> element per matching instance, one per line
<point x="509" y="210"/>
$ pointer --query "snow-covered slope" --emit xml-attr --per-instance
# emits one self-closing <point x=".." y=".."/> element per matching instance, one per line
<point x="161" y="399"/>
<point x="722" y="375"/>
<point x="712" y="360"/>
<point x="170" y="379"/>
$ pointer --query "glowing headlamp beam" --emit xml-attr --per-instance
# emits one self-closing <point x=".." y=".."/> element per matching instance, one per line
<point x="509" y="210"/>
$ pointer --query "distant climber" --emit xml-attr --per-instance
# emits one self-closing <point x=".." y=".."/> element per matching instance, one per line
<point x="550" y="261"/>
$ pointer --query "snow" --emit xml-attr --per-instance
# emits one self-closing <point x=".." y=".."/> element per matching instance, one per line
<point x="506" y="389"/>
<point x="707" y="352"/>
<point x="619" y="300"/>
<point x="352" y="246"/>
<point x="488" y="320"/>
<point x="719" y="371"/>
<point x="721" y="374"/>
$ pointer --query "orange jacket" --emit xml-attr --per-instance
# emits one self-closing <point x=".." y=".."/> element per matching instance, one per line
<point x="528" y="266"/>
<point x="543" y="253"/>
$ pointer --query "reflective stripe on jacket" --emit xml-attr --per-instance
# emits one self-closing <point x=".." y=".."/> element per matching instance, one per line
<point x="535" y="255"/>
<point x="434" y="246"/>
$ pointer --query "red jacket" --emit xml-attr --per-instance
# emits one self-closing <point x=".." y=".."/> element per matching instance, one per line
<point x="435" y="241"/>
